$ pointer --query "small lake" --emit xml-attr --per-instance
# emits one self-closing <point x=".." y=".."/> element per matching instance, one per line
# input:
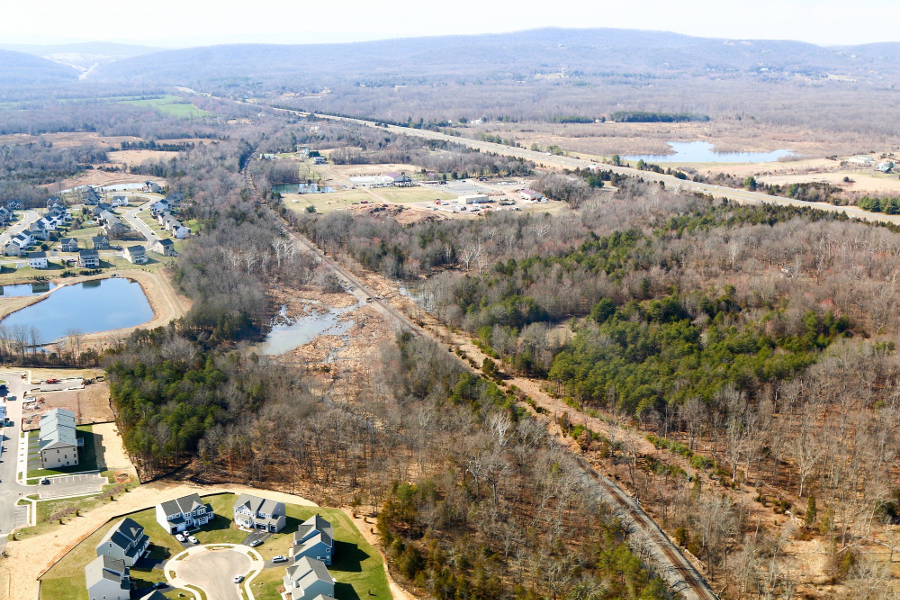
<point x="26" y="289"/>
<point x="90" y="307"/>
<point x="702" y="152"/>
<point x="288" y="334"/>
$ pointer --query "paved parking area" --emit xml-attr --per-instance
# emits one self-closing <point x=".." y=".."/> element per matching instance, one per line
<point x="214" y="571"/>
<point x="72" y="485"/>
<point x="262" y="536"/>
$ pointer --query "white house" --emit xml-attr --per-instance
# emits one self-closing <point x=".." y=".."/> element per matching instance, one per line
<point x="307" y="579"/>
<point x="136" y="255"/>
<point x="119" y="201"/>
<point x="37" y="260"/>
<point x="57" y="441"/>
<point x="181" y="232"/>
<point x="182" y="514"/>
<point x="252" y="512"/>
<point x="314" y="539"/>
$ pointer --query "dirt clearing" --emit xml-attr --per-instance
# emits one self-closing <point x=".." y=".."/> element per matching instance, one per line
<point x="91" y="405"/>
<point x="139" y="157"/>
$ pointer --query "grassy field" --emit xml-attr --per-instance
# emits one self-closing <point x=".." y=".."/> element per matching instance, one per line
<point x="87" y="456"/>
<point x="172" y="105"/>
<point x="412" y="194"/>
<point x="65" y="580"/>
<point x="357" y="565"/>
<point x="326" y="203"/>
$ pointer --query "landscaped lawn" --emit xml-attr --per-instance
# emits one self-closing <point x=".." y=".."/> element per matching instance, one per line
<point x="87" y="456"/>
<point x="357" y="565"/>
<point x="66" y="579"/>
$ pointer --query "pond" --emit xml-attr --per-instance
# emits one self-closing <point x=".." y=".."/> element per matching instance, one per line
<point x="90" y="307"/>
<point x="26" y="289"/>
<point x="702" y="152"/>
<point x="288" y="334"/>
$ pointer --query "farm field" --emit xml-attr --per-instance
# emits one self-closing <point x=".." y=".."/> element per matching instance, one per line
<point x="325" y="203"/>
<point x="172" y="105"/>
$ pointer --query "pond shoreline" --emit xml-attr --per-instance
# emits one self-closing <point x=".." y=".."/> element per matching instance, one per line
<point x="163" y="311"/>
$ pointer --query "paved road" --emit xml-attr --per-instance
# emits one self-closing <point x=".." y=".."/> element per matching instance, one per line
<point x="132" y="217"/>
<point x="30" y="217"/>
<point x="214" y="572"/>
<point x="10" y="489"/>
<point x="575" y="162"/>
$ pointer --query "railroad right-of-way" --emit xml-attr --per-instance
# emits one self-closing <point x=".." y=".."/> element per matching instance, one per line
<point x="678" y="573"/>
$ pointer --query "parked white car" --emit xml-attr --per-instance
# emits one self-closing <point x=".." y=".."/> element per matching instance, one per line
<point x="193" y="540"/>
<point x="179" y="537"/>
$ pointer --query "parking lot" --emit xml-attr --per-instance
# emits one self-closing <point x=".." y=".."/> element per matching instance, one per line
<point x="72" y="485"/>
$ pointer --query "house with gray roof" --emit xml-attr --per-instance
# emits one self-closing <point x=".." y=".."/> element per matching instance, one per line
<point x="100" y="242"/>
<point x="112" y="226"/>
<point x="13" y="248"/>
<point x="107" y="578"/>
<point x="307" y="579"/>
<point x="126" y="541"/>
<point x="68" y="244"/>
<point x="183" y="514"/>
<point x="57" y="442"/>
<point x="166" y="247"/>
<point x="136" y="255"/>
<point x="253" y="512"/>
<point x="88" y="258"/>
<point x="314" y="539"/>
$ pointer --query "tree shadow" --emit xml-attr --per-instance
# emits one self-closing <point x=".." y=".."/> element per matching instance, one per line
<point x="347" y="557"/>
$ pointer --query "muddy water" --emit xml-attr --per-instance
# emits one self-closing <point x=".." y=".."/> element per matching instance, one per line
<point x="290" y="333"/>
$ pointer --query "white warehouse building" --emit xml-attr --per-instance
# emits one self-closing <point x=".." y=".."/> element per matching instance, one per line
<point x="473" y="199"/>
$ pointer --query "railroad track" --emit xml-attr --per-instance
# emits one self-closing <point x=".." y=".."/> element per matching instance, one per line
<point x="680" y="575"/>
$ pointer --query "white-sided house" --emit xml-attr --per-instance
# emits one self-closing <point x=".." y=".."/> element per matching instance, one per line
<point x="37" y="260"/>
<point x="314" y="539"/>
<point x="68" y="244"/>
<point x="185" y="513"/>
<point x="181" y="232"/>
<point x="57" y="441"/>
<point x="119" y="201"/>
<point x="136" y="255"/>
<point x="160" y="207"/>
<point x="253" y="512"/>
<point x="126" y="541"/>
<point x="308" y="579"/>
<point x="107" y="578"/>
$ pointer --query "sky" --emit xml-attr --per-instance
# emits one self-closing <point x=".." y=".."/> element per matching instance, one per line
<point x="182" y="23"/>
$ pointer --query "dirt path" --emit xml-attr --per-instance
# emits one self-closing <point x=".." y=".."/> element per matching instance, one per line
<point x="367" y="530"/>
<point x="28" y="559"/>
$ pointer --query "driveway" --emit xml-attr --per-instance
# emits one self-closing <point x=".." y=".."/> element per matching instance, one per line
<point x="71" y="485"/>
<point x="214" y="572"/>
<point x="262" y="536"/>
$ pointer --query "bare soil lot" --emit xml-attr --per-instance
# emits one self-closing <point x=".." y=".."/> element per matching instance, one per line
<point x="91" y="405"/>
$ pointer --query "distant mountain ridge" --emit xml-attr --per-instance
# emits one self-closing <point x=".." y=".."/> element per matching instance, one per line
<point x="588" y="52"/>
<point x="17" y="68"/>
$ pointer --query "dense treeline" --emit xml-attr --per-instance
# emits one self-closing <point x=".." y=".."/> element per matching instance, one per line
<point x="655" y="117"/>
<point x="41" y="162"/>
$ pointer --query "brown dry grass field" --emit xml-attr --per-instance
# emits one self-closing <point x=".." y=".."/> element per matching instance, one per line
<point x="138" y="157"/>
<point x="69" y="139"/>
<point x="605" y="139"/>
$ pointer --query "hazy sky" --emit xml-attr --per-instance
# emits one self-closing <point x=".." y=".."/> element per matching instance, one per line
<point x="201" y="22"/>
